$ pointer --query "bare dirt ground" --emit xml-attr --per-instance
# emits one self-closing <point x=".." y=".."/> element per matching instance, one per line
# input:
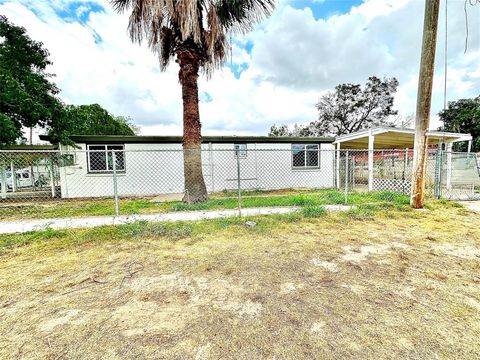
<point x="401" y="285"/>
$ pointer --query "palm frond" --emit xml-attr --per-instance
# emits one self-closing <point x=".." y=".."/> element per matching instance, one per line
<point x="201" y="26"/>
<point x="121" y="5"/>
<point x="242" y="15"/>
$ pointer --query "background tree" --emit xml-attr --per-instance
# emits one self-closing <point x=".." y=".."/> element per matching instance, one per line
<point x="88" y="120"/>
<point x="9" y="130"/>
<point x="27" y="96"/>
<point x="284" y="130"/>
<point x="350" y="108"/>
<point x="463" y="116"/>
<point x="195" y="33"/>
<point x="403" y="122"/>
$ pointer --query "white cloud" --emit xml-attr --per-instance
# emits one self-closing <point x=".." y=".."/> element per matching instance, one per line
<point x="295" y="58"/>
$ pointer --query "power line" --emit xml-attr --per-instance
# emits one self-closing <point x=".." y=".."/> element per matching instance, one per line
<point x="465" y="5"/>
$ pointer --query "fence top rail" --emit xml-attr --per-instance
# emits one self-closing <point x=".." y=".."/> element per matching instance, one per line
<point x="36" y="151"/>
<point x="71" y="151"/>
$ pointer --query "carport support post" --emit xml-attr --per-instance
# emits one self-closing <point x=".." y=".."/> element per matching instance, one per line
<point x="469" y="146"/>
<point x="14" y="177"/>
<point x="449" y="165"/>
<point x="337" y="153"/>
<point x="237" y="153"/>
<point x="371" y="140"/>
<point x="346" y="177"/>
<point x="404" y="179"/>
<point x="115" y="191"/>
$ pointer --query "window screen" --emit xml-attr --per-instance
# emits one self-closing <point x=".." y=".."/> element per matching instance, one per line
<point x="241" y="150"/>
<point x="100" y="158"/>
<point x="305" y="156"/>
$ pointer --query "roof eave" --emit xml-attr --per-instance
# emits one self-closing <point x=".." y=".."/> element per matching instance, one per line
<point x="178" y="139"/>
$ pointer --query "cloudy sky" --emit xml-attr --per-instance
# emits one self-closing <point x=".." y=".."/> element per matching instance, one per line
<point x="276" y="73"/>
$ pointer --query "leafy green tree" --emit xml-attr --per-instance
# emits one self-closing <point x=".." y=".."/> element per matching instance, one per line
<point x="195" y="32"/>
<point x="27" y="96"/>
<point x="9" y="130"/>
<point x="88" y="120"/>
<point x="463" y="116"/>
<point x="284" y="130"/>
<point x="350" y="108"/>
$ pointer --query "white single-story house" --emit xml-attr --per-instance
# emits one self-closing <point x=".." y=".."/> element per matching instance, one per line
<point x="153" y="165"/>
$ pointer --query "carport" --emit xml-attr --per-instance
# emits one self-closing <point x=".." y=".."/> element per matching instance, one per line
<point x="382" y="138"/>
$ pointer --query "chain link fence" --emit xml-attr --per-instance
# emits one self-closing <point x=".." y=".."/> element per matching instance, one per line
<point x="109" y="180"/>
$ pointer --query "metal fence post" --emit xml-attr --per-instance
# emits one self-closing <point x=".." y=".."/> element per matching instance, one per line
<point x="115" y="190"/>
<point x="337" y="166"/>
<point x="449" y="158"/>
<point x="3" y="175"/>
<point x="438" y="179"/>
<point x="346" y="177"/>
<point x="404" y="176"/>
<point x="237" y="154"/>
<point x="52" y="176"/>
<point x="353" y="173"/>
<point x="14" y="177"/>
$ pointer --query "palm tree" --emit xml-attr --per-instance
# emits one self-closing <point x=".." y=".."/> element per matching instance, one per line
<point x="195" y="32"/>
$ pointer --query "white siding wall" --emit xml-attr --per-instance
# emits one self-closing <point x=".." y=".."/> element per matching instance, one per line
<point x="150" y="171"/>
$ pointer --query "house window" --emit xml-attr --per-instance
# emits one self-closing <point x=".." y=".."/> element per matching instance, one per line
<point x="305" y="156"/>
<point x="100" y="158"/>
<point x="241" y="150"/>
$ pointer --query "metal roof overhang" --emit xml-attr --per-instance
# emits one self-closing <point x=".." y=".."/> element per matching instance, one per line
<point x="205" y="139"/>
<point x="391" y="138"/>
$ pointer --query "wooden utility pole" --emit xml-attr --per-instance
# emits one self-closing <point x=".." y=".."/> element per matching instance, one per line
<point x="424" y="97"/>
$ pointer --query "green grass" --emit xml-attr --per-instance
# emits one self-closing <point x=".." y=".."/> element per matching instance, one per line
<point x="314" y="211"/>
<point x="174" y="231"/>
<point x="103" y="207"/>
<point x="314" y="198"/>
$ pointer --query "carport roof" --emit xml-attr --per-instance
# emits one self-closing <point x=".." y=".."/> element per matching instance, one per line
<point x="392" y="138"/>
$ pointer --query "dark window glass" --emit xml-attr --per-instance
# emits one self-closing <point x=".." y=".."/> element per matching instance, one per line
<point x="100" y="158"/>
<point x="298" y="155"/>
<point x="305" y="155"/>
<point x="119" y="155"/>
<point x="312" y="155"/>
<point x="97" y="158"/>
<point x="241" y="150"/>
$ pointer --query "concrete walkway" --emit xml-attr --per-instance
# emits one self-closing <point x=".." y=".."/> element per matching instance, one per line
<point x="471" y="205"/>
<point x="22" y="226"/>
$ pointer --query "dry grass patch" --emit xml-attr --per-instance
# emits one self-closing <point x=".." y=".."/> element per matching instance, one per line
<point x="405" y="284"/>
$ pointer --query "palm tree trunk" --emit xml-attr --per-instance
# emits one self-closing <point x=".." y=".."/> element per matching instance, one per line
<point x="195" y="189"/>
